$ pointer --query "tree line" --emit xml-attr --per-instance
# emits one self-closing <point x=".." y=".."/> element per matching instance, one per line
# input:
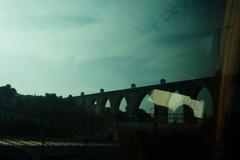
<point x="30" y="115"/>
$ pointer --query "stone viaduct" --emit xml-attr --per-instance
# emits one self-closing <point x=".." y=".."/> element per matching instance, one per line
<point x="134" y="95"/>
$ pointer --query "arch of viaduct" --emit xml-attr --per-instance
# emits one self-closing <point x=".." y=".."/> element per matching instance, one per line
<point x="135" y="95"/>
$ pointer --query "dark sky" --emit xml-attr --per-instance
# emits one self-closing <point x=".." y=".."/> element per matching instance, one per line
<point x="69" y="46"/>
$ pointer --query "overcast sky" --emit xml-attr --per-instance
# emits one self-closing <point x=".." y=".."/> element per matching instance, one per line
<point x="69" y="46"/>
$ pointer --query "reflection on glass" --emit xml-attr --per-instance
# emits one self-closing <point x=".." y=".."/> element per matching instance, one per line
<point x="176" y="104"/>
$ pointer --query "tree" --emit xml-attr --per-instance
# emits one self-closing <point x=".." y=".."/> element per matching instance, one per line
<point x="7" y="95"/>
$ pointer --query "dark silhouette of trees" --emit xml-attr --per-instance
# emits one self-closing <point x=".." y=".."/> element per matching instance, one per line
<point x="7" y="95"/>
<point x="27" y="113"/>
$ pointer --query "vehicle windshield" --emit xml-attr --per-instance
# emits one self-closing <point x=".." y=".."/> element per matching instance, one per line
<point x="126" y="79"/>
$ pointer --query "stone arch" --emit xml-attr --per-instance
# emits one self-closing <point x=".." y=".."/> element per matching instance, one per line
<point x="141" y="110"/>
<point x="93" y="104"/>
<point x="184" y="114"/>
<point x="139" y="98"/>
<point x="188" y="114"/>
<point x="205" y="96"/>
<point x="108" y="104"/>
<point x="147" y="105"/>
<point x="122" y="103"/>
<point x="104" y="101"/>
